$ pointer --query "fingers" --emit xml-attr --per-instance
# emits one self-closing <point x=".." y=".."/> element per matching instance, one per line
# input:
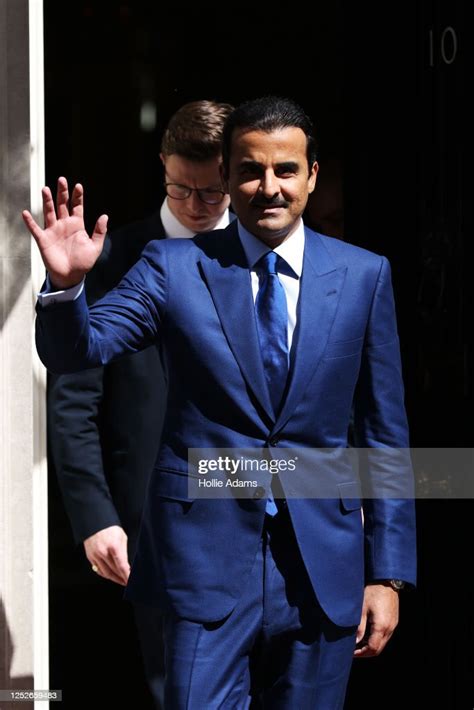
<point x="374" y="644"/>
<point x="379" y="620"/>
<point x="107" y="550"/>
<point x="62" y="202"/>
<point x="361" y="638"/>
<point x="105" y="570"/>
<point x="361" y="629"/>
<point x="49" y="212"/>
<point x="121" y="567"/>
<point x="373" y="636"/>
<point x="117" y="559"/>
<point x="100" y="230"/>
<point x="62" y="198"/>
<point x="113" y="567"/>
<point x="77" y="201"/>
<point x="52" y="213"/>
<point x="34" y="229"/>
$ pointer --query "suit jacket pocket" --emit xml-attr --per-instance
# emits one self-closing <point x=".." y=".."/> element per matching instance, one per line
<point x="350" y="494"/>
<point x="343" y="348"/>
<point x="171" y="484"/>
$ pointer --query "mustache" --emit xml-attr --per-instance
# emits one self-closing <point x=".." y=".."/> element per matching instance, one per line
<point x="269" y="202"/>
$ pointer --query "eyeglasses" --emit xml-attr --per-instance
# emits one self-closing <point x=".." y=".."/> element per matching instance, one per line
<point x="206" y="194"/>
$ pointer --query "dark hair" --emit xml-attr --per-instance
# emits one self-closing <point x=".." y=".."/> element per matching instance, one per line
<point x="195" y="131"/>
<point x="268" y="113"/>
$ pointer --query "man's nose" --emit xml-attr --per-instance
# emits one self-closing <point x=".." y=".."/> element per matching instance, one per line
<point x="194" y="201"/>
<point x="269" y="184"/>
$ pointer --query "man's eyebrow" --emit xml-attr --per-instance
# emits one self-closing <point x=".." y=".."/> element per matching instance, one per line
<point x="247" y="163"/>
<point x="288" y="165"/>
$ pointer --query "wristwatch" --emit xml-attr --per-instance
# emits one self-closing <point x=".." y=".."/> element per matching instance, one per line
<point x="396" y="584"/>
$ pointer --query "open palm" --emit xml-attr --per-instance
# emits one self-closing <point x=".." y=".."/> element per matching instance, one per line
<point x="66" y="249"/>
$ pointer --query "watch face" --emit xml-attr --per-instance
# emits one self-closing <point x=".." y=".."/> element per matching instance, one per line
<point x="397" y="584"/>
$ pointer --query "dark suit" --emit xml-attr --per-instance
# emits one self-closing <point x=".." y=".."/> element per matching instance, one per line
<point x="195" y="297"/>
<point x="104" y="424"/>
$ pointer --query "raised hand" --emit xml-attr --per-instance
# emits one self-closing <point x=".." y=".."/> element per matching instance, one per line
<point x="66" y="249"/>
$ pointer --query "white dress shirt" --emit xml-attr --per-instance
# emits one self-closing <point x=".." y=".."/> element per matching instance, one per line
<point x="175" y="230"/>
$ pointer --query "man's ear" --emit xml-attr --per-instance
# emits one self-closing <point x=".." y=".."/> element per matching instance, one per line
<point x="312" y="177"/>
<point x="163" y="159"/>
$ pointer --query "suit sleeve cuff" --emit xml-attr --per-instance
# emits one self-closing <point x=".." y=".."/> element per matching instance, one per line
<point x="49" y="298"/>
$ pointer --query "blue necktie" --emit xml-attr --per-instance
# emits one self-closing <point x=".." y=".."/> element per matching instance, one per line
<point x="272" y="326"/>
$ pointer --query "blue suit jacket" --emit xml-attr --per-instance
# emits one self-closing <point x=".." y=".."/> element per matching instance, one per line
<point x="195" y="297"/>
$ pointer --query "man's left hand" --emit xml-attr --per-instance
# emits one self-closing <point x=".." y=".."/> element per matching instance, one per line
<point x="379" y="620"/>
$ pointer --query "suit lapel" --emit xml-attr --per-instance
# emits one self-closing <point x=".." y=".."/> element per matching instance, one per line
<point x="320" y="291"/>
<point x="228" y="278"/>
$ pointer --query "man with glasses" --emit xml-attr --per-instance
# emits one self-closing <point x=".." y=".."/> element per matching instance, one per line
<point x="103" y="423"/>
<point x="190" y="152"/>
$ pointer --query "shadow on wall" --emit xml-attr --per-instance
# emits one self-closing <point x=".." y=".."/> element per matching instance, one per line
<point x="7" y="680"/>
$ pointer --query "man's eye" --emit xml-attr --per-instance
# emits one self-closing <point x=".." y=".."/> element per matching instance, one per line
<point x="286" y="172"/>
<point x="250" y="170"/>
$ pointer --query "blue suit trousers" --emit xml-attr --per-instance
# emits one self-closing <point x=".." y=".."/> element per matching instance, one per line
<point x="276" y="649"/>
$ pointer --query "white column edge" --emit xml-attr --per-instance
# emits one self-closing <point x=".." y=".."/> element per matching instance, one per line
<point x="40" y="469"/>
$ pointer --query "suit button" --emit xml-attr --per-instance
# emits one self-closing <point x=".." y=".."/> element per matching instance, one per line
<point x="274" y="441"/>
<point x="259" y="492"/>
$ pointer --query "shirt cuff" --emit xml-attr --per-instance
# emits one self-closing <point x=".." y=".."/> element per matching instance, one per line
<point x="48" y="297"/>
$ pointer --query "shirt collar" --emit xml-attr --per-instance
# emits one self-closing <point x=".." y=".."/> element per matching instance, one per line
<point x="173" y="227"/>
<point x="291" y="250"/>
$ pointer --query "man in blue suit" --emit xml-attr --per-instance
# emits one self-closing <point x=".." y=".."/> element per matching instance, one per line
<point x="273" y="337"/>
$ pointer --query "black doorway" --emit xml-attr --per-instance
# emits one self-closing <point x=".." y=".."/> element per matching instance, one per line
<point x="387" y="94"/>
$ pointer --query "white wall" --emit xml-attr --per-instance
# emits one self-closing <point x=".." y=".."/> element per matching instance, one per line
<point x="23" y="506"/>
